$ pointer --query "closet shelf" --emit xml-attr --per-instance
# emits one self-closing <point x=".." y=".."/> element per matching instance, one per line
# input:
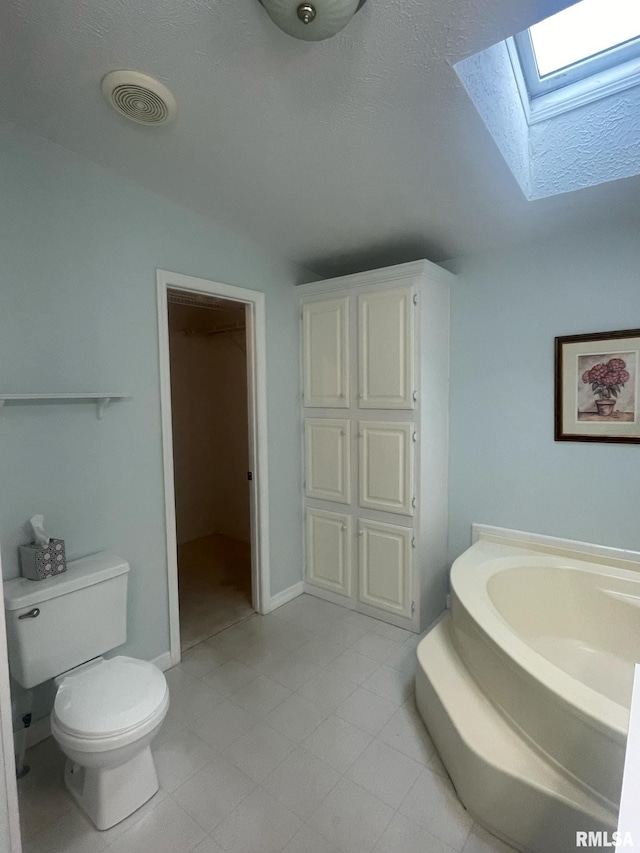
<point x="101" y="400"/>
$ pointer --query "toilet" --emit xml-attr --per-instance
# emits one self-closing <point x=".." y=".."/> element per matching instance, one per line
<point x="106" y="710"/>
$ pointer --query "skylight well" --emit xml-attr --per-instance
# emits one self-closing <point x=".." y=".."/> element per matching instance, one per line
<point x="597" y="39"/>
<point x="562" y="99"/>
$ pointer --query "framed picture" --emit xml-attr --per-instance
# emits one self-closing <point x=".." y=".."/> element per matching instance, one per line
<point x="596" y="387"/>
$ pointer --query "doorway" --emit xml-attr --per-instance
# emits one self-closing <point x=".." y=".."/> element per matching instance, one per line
<point x="214" y="442"/>
<point x="209" y="413"/>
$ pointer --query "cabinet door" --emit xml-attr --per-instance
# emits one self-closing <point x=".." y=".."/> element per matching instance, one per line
<point x="385" y="567"/>
<point x="325" y="349"/>
<point x="385" y="344"/>
<point x="385" y="475"/>
<point x="328" y="550"/>
<point x="327" y="459"/>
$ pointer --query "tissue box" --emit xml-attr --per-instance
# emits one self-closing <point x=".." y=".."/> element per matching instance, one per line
<point x="39" y="562"/>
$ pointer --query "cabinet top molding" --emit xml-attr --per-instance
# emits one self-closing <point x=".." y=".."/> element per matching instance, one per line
<point x="384" y="275"/>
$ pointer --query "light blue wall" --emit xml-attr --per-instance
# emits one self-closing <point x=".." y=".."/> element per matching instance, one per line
<point x="79" y="248"/>
<point x="506" y="469"/>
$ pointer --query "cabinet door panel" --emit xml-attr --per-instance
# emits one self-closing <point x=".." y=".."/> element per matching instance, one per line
<point x="328" y="550"/>
<point x="326" y="353"/>
<point x="327" y="459"/>
<point x="385" y="475"/>
<point x="385" y="566"/>
<point x="385" y="344"/>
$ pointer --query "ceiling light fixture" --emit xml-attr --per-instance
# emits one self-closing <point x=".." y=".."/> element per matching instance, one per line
<point x="311" y="20"/>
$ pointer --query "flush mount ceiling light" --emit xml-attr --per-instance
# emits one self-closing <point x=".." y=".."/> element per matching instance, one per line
<point x="139" y="97"/>
<point x="311" y="20"/>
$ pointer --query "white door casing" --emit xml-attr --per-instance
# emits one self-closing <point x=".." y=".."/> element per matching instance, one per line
<point x="385" y="577"/>
<point x="385" y="349"/>
<point x="327" y="459"/>
<point x="325" y="348"/>
<point x="385" y="471"/>
<point x="328" y="550"/>
<point x="258" y="444"/>
<point x="9" y="814"/>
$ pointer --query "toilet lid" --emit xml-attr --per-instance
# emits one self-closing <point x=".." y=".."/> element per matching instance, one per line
<point x="109" y="698"/>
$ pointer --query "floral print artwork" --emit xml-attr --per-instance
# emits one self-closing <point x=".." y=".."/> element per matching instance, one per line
<point x="607" y="386"/>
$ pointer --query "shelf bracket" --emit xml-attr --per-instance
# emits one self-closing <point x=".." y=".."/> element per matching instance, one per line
<point x="101" y="406"/>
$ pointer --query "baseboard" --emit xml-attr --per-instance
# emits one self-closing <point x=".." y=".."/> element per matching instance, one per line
<point x="286" y="595"/>
<point x="38" y="731"/>
<point x="328" y="595"/>
<point x="163" y="662"/>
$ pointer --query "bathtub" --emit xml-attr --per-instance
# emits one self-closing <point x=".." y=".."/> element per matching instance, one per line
<point x="525" y="686"/>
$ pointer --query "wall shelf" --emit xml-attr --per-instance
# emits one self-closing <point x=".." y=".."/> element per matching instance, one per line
<point x="100" y="400"/>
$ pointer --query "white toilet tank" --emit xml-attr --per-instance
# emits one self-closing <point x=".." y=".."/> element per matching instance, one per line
<point x="66" y="620"/>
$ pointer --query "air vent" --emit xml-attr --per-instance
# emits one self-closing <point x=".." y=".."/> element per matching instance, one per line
<point x="139" y="97"/>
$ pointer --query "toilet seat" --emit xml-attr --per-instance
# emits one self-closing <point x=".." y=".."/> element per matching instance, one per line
<point x="109" y="705"/>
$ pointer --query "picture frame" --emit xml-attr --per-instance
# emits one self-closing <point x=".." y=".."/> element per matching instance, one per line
<point x="597" y="395"/>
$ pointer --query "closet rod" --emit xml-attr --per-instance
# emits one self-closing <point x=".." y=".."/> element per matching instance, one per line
<point x="205" y="333"/>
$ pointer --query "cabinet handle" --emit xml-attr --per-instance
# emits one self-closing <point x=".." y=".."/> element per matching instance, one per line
<point x="342" y="432"/>
<point x="415" y="396"/>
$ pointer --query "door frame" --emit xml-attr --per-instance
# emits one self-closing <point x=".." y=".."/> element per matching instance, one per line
<point x="258" y="449"/>
<point x="9" y="805"/>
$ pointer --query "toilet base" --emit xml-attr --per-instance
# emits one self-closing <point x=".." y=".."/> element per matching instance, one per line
<point x="108" y="795"/>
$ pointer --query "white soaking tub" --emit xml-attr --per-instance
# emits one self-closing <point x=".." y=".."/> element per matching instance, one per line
<point x="526" y="686"/>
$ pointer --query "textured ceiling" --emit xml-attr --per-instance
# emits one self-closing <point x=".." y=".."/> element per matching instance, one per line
<point x="354" y="152"/>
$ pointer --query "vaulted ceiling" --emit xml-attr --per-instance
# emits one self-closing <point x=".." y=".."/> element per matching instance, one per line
<point x="355" y="152"/>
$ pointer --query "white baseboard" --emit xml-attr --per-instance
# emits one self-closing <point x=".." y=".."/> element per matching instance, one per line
<point x="163" y="662"/>
<point x="328" y="595"/>
<point x="286" y="595"/>
<point x="38" y="731"/>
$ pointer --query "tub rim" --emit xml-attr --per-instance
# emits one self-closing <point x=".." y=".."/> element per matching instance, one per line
<point x="491" y="553"/>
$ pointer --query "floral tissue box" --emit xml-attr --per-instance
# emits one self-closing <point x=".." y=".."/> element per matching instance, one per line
<point x="39" y="562"/>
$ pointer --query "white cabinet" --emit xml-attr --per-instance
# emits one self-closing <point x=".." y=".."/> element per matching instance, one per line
<point x="326" y="354"/>
<point x="376" y="456"/>
<point x="385" y="567"/>
<point x="327" y="459"/>
<point x="385" y="349"/>
<point x="385" y="470"/>
<point x="328" y="549"/>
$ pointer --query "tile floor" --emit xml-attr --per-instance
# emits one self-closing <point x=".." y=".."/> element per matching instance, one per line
<point x="214" y="579"/>
<point x="293" y="732"/>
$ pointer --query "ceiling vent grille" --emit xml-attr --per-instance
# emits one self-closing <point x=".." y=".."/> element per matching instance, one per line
<point x="139" y="97"/>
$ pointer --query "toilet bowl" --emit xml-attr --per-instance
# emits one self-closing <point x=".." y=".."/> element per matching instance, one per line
<point x="105" y="715"/>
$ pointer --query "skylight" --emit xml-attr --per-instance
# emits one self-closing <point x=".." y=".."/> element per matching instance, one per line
<point x="582" y="32"/>
<point x="578" y="55"/>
